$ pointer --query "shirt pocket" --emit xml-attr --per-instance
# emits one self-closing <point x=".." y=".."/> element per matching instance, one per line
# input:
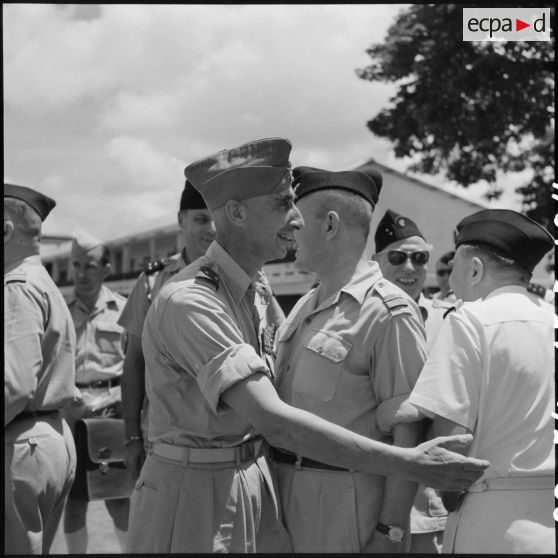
<point x="108" y="337"/>
<point x="321" y="365"/>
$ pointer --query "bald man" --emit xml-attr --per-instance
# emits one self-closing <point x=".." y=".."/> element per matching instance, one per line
<point x="95" y="310"/>
<point x="39" y="375"/>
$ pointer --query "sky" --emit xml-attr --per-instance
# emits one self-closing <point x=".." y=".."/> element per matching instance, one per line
<point x="104" y="105"/>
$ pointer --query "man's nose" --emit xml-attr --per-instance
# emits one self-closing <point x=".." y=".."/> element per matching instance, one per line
<point x="295" y="218"/>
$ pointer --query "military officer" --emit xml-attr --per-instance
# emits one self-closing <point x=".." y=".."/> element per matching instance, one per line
<point x="39" y="379"/>
<point x="403" y="254"/>
<point x="198" y="231"/>
<point x="95" y="310"/>
<point x="490" y="372"/>
<point x="206" y="485"/>
<point x="352" y="344"/>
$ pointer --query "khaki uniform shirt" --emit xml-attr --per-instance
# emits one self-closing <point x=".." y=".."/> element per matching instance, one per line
<point x="100" y="339"/>
<point x="144" y="292"/>
<point x="39" y="341"/>
<point x="360" y="348"/>
<point x="209" y="328"/>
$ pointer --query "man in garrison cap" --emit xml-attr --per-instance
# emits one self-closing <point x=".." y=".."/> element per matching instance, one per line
<point x="39" y="379"/>
<point x="352" y="345"/>
<point x="95" y="310"/>
<point x="403" y="254"/>
<point x="490" y="372"/>
<point x="197" y="232"/>
<point x="206" y="484"/>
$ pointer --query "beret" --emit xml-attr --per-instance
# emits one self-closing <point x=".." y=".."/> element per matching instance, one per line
<point x="366" y="184"/>
<point x="515" y="235"/>
<point x="42" y="204"/>
<point x="253" y="169"/>
<point x="82" y="242"/>
<point x="191" y="198"/>
<point x="394" y="227"/>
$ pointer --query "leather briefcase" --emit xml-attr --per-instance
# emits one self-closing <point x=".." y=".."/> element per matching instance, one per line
<point x="100" y="472"/>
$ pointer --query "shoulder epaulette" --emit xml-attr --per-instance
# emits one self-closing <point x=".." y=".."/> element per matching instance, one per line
<point x="15" y="277"/>
<point x="396" y="301"/>
<point x="438" y="303"/>
<point x="206" y="274"/>
<point x="157" y="265"/>
<point x="455" y="306"/>
<point x="536" y="289"/>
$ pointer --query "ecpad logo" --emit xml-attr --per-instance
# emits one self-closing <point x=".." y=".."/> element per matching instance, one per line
<point x="506" y="24"/>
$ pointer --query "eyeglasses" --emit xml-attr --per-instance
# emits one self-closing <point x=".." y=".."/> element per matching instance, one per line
<point x="442" y="272"/>
<point x="398" y="257"/>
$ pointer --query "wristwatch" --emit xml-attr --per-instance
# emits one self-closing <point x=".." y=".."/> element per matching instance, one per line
<point x="393" y="532"/>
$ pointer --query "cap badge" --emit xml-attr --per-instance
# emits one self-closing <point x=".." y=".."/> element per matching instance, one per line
<point x="401" y="222"/>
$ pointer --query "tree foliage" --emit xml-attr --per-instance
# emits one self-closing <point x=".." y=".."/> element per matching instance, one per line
<point x="468" y="109"/>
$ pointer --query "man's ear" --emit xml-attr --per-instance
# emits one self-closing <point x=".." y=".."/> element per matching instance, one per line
<point x="235" y="212"/>
<point x="331" y="224"/>
<point x="9" y="229"/>
<point x="107" y="270"/>
<point x="478" y="270"/>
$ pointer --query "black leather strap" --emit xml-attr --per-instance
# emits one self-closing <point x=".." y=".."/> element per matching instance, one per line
<point x="280" y="456"/>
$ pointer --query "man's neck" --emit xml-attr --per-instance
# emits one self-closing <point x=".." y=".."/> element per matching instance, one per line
<point x="89" y="301"/>
<point x="249" y="262"/>
<point x="334" y="278"/>
<point x="12" y="257"/>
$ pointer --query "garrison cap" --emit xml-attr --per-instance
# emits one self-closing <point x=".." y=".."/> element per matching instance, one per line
<point x="366" y="184"/>
<point x="191" y="198"/>
<point x="513" y="234"/>
<point x="253" y="169"/>
<point x="82" y="242"/>
<point x="42" y="204"/>
<point x="394" y="227"/>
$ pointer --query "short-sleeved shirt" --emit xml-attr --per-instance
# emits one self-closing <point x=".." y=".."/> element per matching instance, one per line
<point x="39" y="341"/>
<point x="491" y="371"/>
<point x="360" y="348"/>
<point x="432" y="312"/>
<point x="210" y="326"/>
<point x="145" y="290"/>
<point x="100" y="339"/>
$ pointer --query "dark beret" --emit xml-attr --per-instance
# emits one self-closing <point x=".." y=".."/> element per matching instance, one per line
<point x="394" y="227"/>
<point x="511" y="233"/>
<point x="191" y="198"/>
<point x="366" y="184"/>
<point x="39" y="202"/>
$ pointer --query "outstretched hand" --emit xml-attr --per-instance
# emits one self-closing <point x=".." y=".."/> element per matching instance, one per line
<point x="434" y="464"/>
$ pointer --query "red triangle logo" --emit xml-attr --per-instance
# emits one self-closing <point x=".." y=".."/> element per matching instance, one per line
<point x="519" y="25"/>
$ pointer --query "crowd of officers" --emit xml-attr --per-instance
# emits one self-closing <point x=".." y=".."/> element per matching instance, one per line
<point x="370" y="419"/>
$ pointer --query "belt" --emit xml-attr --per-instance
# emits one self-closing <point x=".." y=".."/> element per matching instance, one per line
<point x="36" y="414"/>
<point x="244" y="452"/>
<point x="99" y="383"/>
<point x="513" y="483"/>
<point x="280" y="456"/>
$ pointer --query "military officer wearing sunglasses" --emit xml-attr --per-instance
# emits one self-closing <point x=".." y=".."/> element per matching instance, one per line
<point x="403" y="255"/>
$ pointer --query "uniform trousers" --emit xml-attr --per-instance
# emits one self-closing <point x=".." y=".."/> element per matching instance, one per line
<point x="205" y="508"/>
<point x="329" y="511"/>
<point x="40" y="464"/>
<point x="503" y="522"/>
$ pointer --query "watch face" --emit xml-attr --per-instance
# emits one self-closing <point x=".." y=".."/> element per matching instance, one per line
<point x="396" y="534"/>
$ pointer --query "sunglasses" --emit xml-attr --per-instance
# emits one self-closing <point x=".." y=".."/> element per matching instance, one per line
<point x="442" y="272"/>
<point x="398" y="257"/>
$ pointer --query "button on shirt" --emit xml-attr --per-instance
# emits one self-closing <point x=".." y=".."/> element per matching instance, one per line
<point x="203" y="334"/>
<point x="100" y="339"/>
<point x="345" y="357"/>
<point x="145" y="290"/>
<point x="39" y="341"/>
<point x="491" y="371"/>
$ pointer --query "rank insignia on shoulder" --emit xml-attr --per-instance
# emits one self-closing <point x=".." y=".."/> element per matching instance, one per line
<point x="15" y="277"/>
<point x="456" y="306"/>
<point x="208" y="275"/>
<point x="394" y="299"/>
<point x="157" y="265"/>
<point x="536" y="289"/>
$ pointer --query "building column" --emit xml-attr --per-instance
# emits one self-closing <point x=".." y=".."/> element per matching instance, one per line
<point x="55" y="271"/>
<point x="126" y="258"/>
